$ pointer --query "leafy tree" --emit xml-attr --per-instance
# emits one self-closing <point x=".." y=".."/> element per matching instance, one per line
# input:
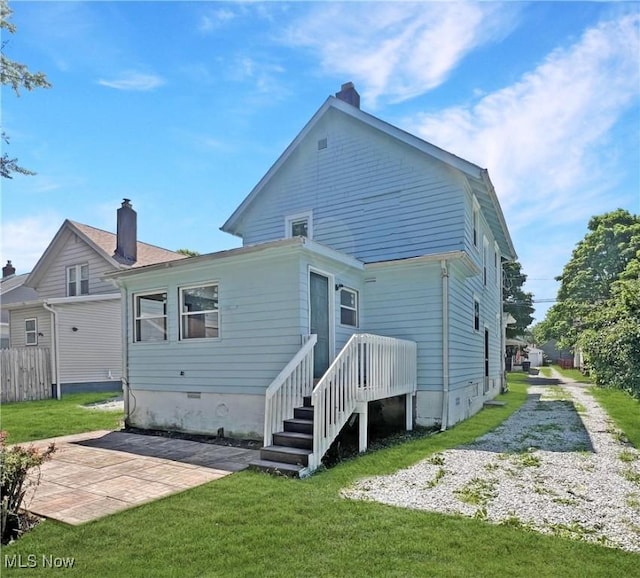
<point x="599" y="301"/>
<point x="516" y="301"/>
<point x="587" y="280"/>
<point x="188" y="252"/>
<point x="17" y="76"/>
<point x="611" y="343"/>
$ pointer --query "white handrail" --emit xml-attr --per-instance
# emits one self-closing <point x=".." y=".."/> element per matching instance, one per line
<point x="287" y="390"/>
<point x="369" y="367"/>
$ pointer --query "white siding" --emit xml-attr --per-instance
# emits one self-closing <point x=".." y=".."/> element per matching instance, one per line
<point x="17" y="329"/>
<point x="371" y="196"/>
<point x="75" y="252"/>
<point x="405" y="301"/>
<point x="93" y="353"/>
<point x="260" y="327"/>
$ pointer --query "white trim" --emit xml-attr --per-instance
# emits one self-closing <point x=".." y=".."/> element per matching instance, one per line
<point x="485" y="259"/>
<point x="183" y="339"/>
<point x="475" y="223"/>
<point x="355" y="309"/>
<point x="34" y="331"/>
<point x="77" y="268"/>
<point x="476" y="299"/>
<point x="497" y="263"/>
<point x="332" y="307"/>
<point x="84" y="298"/>
<point x="249" y="250"/>
<point x="302" y="216"/>
<point x="134" y="317"/>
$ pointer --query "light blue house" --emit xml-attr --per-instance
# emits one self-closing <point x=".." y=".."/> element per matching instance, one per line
<point x="370" y="269"/>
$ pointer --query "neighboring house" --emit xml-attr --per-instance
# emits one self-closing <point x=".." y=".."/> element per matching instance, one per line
<point x="12" y="289"/>
<point x="76" y="313"/>
<point x="358" y="228"/>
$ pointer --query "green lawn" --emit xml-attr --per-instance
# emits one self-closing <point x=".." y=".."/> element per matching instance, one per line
<point x="33" y="420"/>
<point x="623" y="409"/>
<point x="575" y="374"/>
<point x="251" y="524"/>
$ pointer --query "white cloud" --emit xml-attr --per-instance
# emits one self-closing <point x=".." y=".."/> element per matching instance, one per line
<point x="136" y="81"/>
<point x="398" y="50"/>
<point x="546" y="139"/>
<point x="24" y="240"/>
<point x="215" y="19"/>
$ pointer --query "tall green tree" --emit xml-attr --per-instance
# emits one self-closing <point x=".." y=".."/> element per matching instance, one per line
<point x="611" y="342"/>
<point x="598" y="306"/>
<point x="587" y="280"/>
<point x="17" y="76"/>
<point x="516" y="301"/>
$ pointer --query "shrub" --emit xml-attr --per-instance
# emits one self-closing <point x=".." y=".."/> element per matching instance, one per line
<point x="15" y="463"/>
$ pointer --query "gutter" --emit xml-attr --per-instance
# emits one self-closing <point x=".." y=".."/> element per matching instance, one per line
<point x="55" y="358"/>
<point x="445" y="345"/>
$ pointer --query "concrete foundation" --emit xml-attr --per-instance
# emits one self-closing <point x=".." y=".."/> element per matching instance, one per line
<point x="241" y="416"/>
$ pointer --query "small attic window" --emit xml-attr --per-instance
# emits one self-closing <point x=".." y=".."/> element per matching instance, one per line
<point x="299" y="225"/>
<point x="322" y="144"/>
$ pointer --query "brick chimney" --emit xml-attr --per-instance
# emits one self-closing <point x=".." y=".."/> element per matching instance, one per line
<point x="127" y="234"/>
<point x="349" y="94"/>
<point x="8" y="270"/>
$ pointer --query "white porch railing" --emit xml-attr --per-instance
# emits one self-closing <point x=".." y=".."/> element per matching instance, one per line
<point x="369" y="367"/>
<point x="286" y="391"/>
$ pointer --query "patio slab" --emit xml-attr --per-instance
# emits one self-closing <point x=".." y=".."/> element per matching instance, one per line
<point x="98" y="473"/>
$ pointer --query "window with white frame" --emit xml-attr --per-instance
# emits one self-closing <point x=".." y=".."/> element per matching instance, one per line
<point x="31" y="332"/>
<point x="485" y="259"/>
<point x="199" y="312"/>
<point x="348" y="307"/>
<point x="476" y="222"/>
<point x="77" y="280"/>
<point x="496" y="263"/>
<point x="299" y="225"/>
<point x="150" y="311"/>
<point x="476" y="314"/>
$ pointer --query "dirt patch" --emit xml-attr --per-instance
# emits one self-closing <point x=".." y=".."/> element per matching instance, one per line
<point x="204" y="439"/>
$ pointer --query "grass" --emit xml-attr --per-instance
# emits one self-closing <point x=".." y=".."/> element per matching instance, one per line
<point x="623" y="409"/>
<point x="33" y="420"/>
<point x="575" y="374"/>
<point x="252" y="524"/>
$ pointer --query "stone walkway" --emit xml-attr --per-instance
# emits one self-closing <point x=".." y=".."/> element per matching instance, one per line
<point x="98" y="473"/>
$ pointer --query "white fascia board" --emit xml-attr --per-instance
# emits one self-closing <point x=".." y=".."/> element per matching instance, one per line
<point x="431" y="258"/>
<point x="207" y="258"/>
<point x="82" y="298"/>
<point x="325" y="251"/>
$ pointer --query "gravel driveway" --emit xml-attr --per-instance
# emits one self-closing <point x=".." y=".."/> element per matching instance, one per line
<point x="558" y="466"/>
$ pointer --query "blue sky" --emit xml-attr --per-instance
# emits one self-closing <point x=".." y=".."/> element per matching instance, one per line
<point x="183" y="106"/>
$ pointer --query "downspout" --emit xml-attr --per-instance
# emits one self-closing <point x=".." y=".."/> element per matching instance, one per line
<point x="125" y="351"/>
<point x="55" y="357"/>
<point x="445" y="345"/>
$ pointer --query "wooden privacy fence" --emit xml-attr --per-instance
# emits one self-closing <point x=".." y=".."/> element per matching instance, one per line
<point x="26" y="373"/>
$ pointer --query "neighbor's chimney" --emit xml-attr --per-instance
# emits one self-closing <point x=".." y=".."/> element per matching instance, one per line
<point x="127" y="235"/>
<point x="349" y="94"/>
<point x="8" y="270"/>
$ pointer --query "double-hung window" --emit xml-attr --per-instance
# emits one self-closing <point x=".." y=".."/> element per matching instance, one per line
<point x="77" y="280"/>
<point x="199" y="312"/>
<point x="150" y="316"/>
<point x="31" y="331"/>
<point x="349" y="307"/>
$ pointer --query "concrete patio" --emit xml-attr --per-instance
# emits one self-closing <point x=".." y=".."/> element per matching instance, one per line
<point x="98" y="473"/>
